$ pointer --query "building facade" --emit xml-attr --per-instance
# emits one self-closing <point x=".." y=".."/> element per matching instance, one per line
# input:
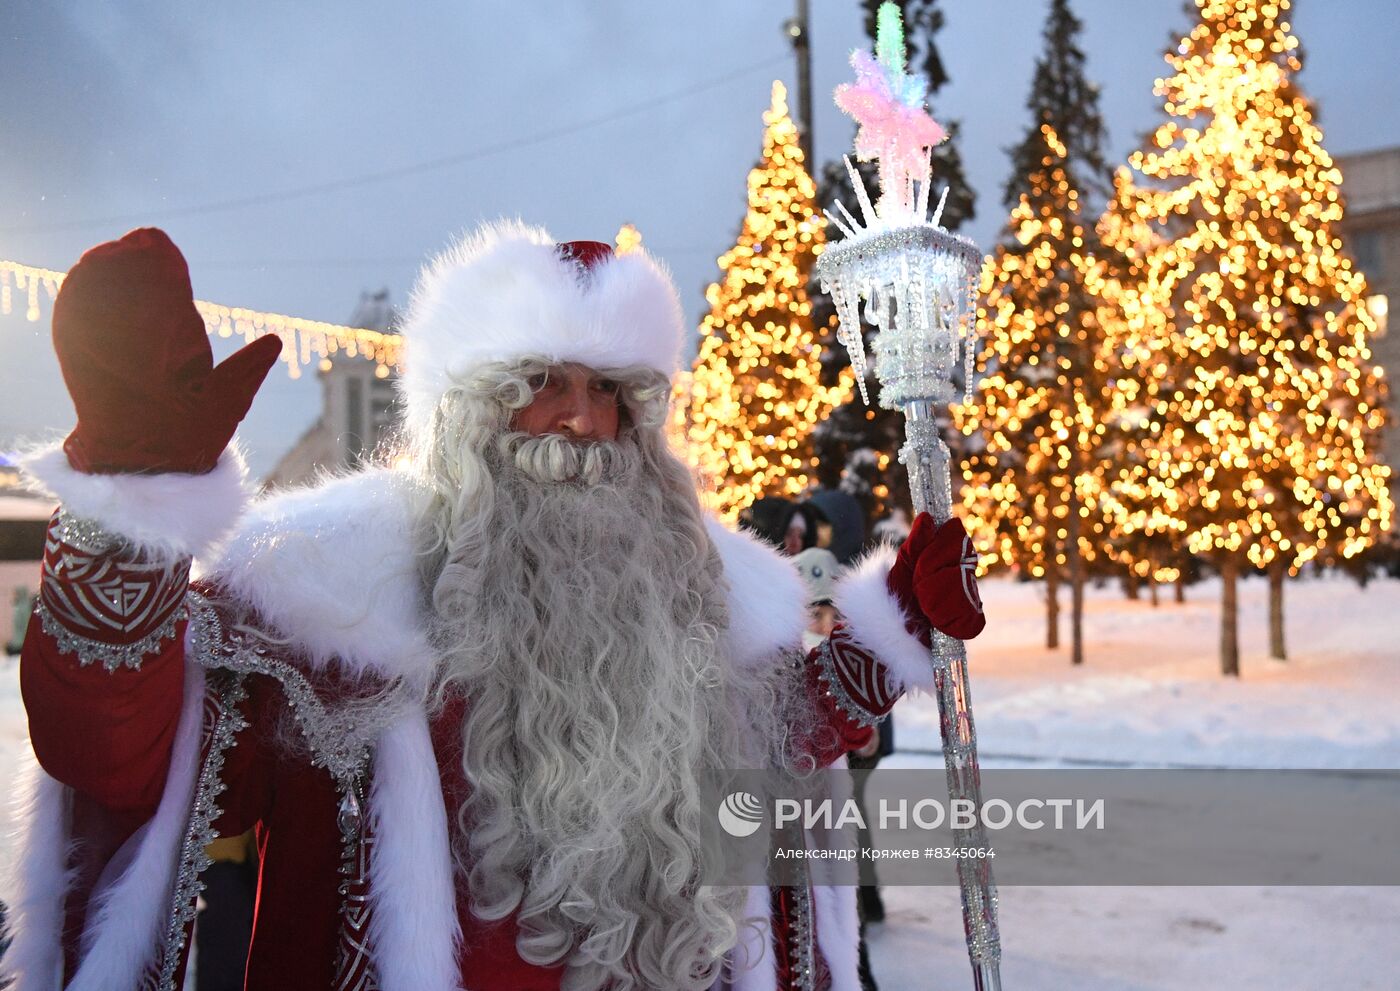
<point x="1371" y="233"/>
<point x="357" y="413"/>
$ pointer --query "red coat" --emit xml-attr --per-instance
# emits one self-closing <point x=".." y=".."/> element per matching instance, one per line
<point x="183" y="729"/>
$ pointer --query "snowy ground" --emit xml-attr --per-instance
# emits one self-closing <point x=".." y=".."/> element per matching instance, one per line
<point x="1148" y="694"/>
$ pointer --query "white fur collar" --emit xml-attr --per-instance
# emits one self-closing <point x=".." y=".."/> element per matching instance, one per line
<point x="332" y="569"/>
<point x="767" y="600"/>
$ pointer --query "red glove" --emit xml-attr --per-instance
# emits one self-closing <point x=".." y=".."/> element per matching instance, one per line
<point x="934" y="578"/>
<point x="137" y="362"/>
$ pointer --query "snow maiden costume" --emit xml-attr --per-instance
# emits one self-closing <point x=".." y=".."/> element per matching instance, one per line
<point x="199" y="666"/>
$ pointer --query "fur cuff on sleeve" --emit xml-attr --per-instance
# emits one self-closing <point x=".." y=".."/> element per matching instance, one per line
<point x="875" y="621"/>
<point x="167" y="516"/>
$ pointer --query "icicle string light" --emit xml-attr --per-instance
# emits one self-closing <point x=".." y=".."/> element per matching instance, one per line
<point x="304" y="342"/>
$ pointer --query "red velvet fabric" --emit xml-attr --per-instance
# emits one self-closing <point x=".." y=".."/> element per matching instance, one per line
<point x="104" y="733"/>
<point x="137" y="363"/>
<point x="586" y="253"/>
<point x="841" y="734"/>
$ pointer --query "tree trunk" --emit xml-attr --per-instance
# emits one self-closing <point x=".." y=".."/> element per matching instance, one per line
<point x="1052" y="606"/>
<point x="1130" y="586"/>
<point x="1229" y="617"/>
<point x="1152" y="583"/>
<point x="1181" y="585"/>
<point x="1076" y="584"/>
<point x="1076" y="618"/>
<point x="1278" y="571"/>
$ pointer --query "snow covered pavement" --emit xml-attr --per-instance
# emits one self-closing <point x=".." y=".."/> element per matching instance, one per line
<point x="1150" y="691"/>
<point x="1150" y="694"/>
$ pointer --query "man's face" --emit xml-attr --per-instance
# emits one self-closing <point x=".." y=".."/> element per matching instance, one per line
<point x="821" y="618"/>
<point x="574" y="401"/>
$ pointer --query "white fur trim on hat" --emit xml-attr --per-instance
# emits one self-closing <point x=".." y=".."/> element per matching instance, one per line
<point x="504" y="293"/>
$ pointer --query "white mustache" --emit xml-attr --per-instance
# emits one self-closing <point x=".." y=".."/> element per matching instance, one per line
<point x="556" y="458"/>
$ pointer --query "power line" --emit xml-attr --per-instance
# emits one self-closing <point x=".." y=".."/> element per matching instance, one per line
<point x="417" y="168"/>
<point x="414" y="260"/>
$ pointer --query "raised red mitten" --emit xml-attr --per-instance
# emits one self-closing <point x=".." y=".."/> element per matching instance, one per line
<point x="945" y="582"/>
<point x="137" y="362"/>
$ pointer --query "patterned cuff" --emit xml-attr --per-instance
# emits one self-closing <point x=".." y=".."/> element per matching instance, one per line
<point x="100" y="602"/>
<point x="857" y="684"/>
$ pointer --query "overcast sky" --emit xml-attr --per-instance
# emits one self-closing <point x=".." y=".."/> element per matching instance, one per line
<point x="581" y="116"/>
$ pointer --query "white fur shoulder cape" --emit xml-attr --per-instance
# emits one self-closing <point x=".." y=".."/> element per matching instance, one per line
<point x="332" y="569"/>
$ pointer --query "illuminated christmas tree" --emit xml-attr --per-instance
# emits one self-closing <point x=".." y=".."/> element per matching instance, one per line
<point x="1032" y="487"/>
<point x="1274" y="410"/>
<point x="754" y="395"/>
<point x="1139" y="500"/>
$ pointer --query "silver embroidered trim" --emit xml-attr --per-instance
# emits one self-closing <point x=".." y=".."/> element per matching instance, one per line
<point x="803" y="938"/>
<point x="112" y="656"/>
<point x="340" y="743"/>
<point x="229" y="692"/>
<point x="337" y="745"/>
<point x="836" y="689"/>
<point x="85" y="534"/>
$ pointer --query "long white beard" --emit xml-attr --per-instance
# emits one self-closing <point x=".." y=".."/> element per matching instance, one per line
<point x="583" y="624"/>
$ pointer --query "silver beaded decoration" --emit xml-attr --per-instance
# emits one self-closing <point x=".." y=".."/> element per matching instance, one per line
<point x="339" y="743"/>
<point x="111" y="656"/>
<point x="803" y="936"/>
<point x="835" y="688"/>
<point x="339" y="738"/>
<point x="223" y="721"/>
<point x="917" y="283"/>
<point x="85" y="534"/>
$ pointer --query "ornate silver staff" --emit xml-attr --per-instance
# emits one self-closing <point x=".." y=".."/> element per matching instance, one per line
<point x="918" y="283"/>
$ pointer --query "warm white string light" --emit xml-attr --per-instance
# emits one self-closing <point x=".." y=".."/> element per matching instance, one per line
<point x="303" y="341"/>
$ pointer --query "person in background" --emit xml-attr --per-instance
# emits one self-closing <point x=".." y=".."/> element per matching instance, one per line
<point x="788" y="526"/>
<point x="819" y="569"/>
<point x="767" y="519"/>
<point x="807" y="527"/>
<point x="845" y="521"/>
<point x="21" y="606"/>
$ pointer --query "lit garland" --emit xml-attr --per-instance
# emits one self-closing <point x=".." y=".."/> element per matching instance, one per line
<point x="1140" y="500"/>
<point x="1262" y="404"/>
<point x="304" y="342"/>
<point x="755" y="394"/>
<point x="1038" y="408"/>
<point x="628" y="239"/>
